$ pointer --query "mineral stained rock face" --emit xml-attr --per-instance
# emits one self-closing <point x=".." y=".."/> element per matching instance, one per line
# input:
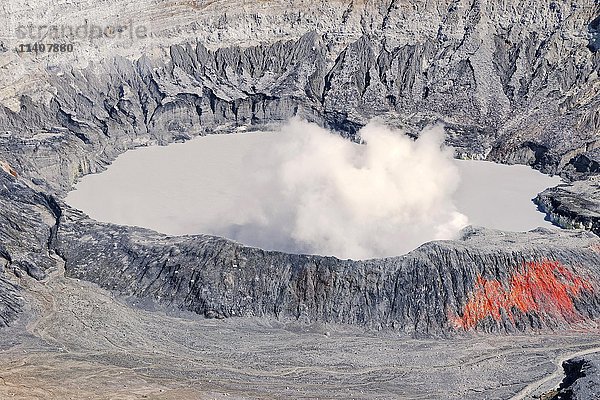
<point x="515" y="82"/>
<point x="488" y="280"/>
<point x="545" y="287"/>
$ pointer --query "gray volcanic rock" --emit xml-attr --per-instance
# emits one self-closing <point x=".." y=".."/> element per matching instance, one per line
<point x="10" y="302"/>
<point x="582" y="379"/>
<point x="27" y="224"/>
<point x="421" y="292"/>
<point x="594" y="29"/>
<point x="584" y="165"/>
<point x="514" y="82"/>
<point x="509" y="87"/>
<point x="573" y="206"/>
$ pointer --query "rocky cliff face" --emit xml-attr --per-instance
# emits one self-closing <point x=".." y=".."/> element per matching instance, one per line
<point x="581" y="379"/>
<point x="488" y="280"/>
<point x="27" y="221"/>
<point x="573" y="206"/>
<point x="513" y="81"/>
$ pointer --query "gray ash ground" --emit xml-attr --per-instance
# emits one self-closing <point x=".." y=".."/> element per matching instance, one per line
<point x="83" y="342"/>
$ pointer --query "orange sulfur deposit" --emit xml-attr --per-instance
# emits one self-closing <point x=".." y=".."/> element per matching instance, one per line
<point x="545" y="287"/>
<point x="8" y="169"/>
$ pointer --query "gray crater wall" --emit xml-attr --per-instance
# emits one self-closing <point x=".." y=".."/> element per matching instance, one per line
<point x="512" y="85"/>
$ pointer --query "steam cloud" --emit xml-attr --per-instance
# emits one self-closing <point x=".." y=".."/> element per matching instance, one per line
<point x="316" y="192"/>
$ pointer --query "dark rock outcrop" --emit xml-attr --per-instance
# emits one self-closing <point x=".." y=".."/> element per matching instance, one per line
<point x="573" y="206"/>
<point x="594" y="29"/>
<point x="582" y="379"/>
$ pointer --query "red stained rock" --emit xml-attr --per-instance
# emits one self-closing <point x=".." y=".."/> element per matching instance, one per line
<point x="544" y="287"/>
<point x="8" y="169"/>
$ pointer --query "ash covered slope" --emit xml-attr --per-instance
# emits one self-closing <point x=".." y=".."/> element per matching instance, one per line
<point x="489" y="280"/>
<point x="516" y="82"/>
<point x="27" y="221"/>
<point x="506" y="91"/>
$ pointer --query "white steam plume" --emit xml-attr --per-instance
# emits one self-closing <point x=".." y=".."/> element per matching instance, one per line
<point x="316" y="192"/>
